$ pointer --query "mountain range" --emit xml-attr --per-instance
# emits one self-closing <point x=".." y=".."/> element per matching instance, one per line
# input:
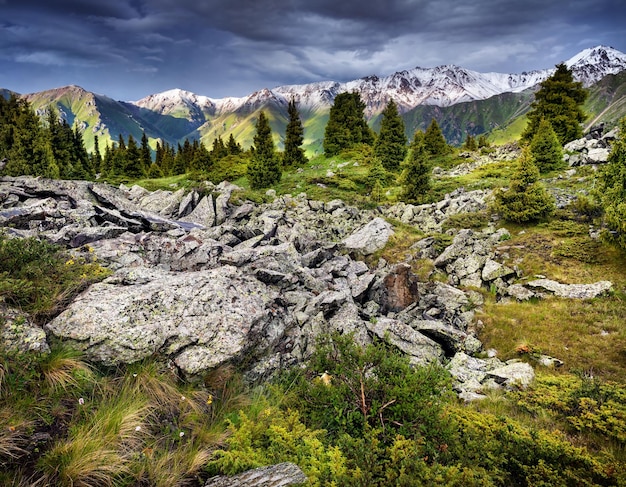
<point x="461" y="100"/>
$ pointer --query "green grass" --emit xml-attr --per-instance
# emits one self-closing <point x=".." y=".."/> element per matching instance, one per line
<point x="509" y="133"/>
<point x="585" y="334"/>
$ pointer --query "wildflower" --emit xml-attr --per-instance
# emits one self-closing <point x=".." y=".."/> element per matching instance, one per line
<point x="209" y="400"/>
<point x="137" y="428"/>
<point x="81" y="401"/>
<point x="181" y="434"/>
<point x="182" y="398"/>
<point x="134" y="375"/>
<point x="326" y="378"/>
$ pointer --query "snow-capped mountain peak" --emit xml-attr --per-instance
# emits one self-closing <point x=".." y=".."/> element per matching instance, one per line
<point x="443" y="85"/>
<point x="593" y="64"/>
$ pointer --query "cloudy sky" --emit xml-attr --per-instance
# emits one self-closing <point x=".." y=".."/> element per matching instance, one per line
<point x="128" y="49"/>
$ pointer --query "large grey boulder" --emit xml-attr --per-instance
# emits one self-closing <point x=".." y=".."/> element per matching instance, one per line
<point x="281" y="475"/>
<point x="203" y="213"/>
<point x="200" y="320"/>
<point x="420" y="349"/>
<point x="370" y="238"/>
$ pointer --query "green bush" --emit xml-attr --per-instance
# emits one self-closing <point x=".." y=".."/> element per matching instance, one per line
<point x="39" y="277"/>
<point x="583" y="403"/>
<point x="373" y="387"/>
<point x="526" y="199"/>
<point x="272" y="435"/>
<point x="582" y="249"/>
<point x="474" y="220"/>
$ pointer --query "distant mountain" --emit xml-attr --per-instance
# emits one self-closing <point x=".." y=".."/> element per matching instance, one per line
<point x="6" y="94"/>
<point x="463" y="101"/>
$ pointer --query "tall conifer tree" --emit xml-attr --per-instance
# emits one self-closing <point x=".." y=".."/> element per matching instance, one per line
<point x="133" y="168"/>
<point x="434" y="142"/>
<point x="346" y="125"/>
<point x="264" y="169"/>
<point x="559" y="101"/>
<point x="612" y="188"/>
<point x="294" y="136"/>
<point x="146" y="153"/>
<point x="546" y="148"/>
<point x="415" y="178"/>
<point x="526" y="199"/>
<point x="390" y="146"/>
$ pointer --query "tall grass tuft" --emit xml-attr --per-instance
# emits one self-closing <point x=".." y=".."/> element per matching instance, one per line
<point x="64" y="367"/>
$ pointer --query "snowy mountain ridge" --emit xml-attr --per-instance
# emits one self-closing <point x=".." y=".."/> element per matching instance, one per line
<point x="442" y="86"/>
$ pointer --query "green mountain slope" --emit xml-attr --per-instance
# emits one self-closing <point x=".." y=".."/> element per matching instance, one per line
<point x="501" y="116"/>
<point x="607" y="101"/>
<point x="94" y="114"/>
<point x="473" y="118"/>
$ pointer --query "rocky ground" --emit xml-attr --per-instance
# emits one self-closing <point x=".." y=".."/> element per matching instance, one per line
<point x="203" y="282"/>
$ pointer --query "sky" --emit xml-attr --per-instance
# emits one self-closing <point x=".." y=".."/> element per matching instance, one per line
<point x="128" y="49"/>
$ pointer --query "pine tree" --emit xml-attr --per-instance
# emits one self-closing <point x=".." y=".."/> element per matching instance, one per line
<point x="559" y="101"/>
<point x="118" y="161"/>
<point x="80" y="155"/>
<point x="526" y="199"/>
<point x="376" y="180"/>
<point x="264" y="168"/>
<point x="96" y="157"/>
<point x="612" y="188"/>
<point x="470" y="143"/>
<point x="546" y="148"/>
<point x="482" y="141"/>
<point x="233" y="147"/>
<point x="180" y="162"/>
<point x="29" y="152"/>
<point x="106" y="167"/>
<point x="145" y="153"/>
<point x="390" y="146"/>
<point x="434" y="142"/>
<point x="218" y="150"/>
<point x="415" y="178"/>
<point x="294" y="136"/>
<point x="346" y="125"/>
<point x="133" y="168"/>
<point x="201" y="158"/>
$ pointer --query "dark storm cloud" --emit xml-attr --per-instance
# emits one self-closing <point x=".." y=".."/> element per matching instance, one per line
<point x="130" y="48"/>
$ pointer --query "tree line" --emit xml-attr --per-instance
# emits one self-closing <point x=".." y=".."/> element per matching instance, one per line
<point x="48" y="146"/>
<point x="52" y="148"/>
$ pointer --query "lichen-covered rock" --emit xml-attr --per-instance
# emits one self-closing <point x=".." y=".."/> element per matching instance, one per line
<point x="198" y="319"/>
<point x="370" y="238"/>
<point x="19" y="334"/>
<point x="514" y="375"/>
<point x="572" y="291"/>
<point x="420" y="349"/>
<point x="281" y="475"/>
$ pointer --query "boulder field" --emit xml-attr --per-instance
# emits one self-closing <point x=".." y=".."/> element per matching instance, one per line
<point x="203" y="282"/>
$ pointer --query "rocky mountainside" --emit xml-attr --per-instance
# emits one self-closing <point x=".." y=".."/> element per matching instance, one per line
<point x="420" y="93"/>
<point x="204" y="282"/>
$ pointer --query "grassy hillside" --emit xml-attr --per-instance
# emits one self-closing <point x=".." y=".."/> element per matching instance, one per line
<point x="474" y="118"/>
<point x="94" y="114"/>
<point x="607" y="101"/>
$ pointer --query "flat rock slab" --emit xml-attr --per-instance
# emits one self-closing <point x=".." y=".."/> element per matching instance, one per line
<point x="572" y="291"/>
<point x="281" y="475"/>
